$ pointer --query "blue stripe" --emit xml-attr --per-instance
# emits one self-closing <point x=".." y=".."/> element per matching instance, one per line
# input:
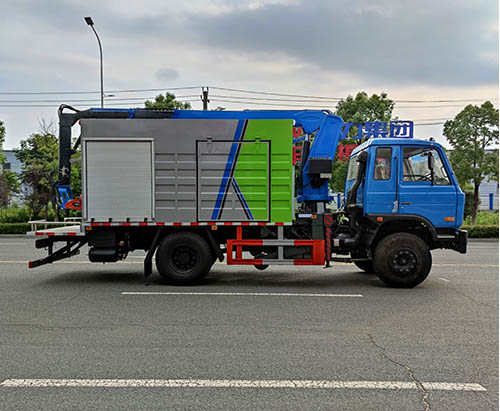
<point x="227" y="171"/>
<point x="242" y="198"/>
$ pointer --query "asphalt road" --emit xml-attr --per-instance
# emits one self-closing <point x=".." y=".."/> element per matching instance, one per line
<point x="260" y="340"/>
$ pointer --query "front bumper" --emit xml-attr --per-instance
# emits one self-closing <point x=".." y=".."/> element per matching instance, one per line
<point x="462" y="241"/>
<point x="452" y="239"/>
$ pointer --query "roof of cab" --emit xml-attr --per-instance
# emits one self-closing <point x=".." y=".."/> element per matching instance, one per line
<point x="393" y="142"/>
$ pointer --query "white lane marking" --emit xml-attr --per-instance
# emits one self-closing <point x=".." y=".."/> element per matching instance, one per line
<point x="15" y="244"/>
<point x="206" y="383"/>
<point x="239" y="294"/>
<point x="444" y="279"/>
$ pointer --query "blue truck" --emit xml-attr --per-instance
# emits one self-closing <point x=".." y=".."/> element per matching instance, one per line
<point x="190" y="187"/>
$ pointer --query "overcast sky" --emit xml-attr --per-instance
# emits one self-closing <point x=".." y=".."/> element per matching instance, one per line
<point x="413" y="50"/>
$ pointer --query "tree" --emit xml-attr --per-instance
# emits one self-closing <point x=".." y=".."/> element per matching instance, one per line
<point x="359" y="109"/>
<point x="166" y="102"/>
<point x="471" y="133"/>
<point x="39" y="155"/>
<point x="362" y="108"/>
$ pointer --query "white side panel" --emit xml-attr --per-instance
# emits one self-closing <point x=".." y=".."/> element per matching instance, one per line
<point x="118" y="180"/>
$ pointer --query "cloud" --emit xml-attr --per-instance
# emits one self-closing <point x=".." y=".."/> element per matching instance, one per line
<point x="166" y="74"/>
<point x="407" y="42"/>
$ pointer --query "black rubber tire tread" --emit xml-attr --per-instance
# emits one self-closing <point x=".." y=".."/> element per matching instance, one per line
<point x="261" y="267"/>
<point x="398" y="241"/>
<point x="366" y="266"/>
<point x="203" y="254"/>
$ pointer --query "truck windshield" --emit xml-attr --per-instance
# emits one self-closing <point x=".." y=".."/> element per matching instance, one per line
<point x="416" y="167"/>
<point x="352" y="168"/>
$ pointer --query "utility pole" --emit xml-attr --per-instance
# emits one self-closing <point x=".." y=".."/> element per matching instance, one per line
<point x="204" y="97"/>
<point x="89" y="21"/>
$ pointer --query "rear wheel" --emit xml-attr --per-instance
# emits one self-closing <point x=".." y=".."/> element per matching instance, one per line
<point x="402" y="260"/>
<point x="184" y="258"/>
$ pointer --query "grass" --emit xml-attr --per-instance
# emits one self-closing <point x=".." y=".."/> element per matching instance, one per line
<point x="484" y="218"/>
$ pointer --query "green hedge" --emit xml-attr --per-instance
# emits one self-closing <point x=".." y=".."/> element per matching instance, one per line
<point x="481" y="231"/>
<point x="14" y="228"/>
<point x="21" y="228"/>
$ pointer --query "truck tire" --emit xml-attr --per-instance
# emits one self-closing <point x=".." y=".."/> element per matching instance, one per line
<point x="183" y="258"/>
<point x="362" y="263"/>
<point x="366" y="266"/>
<point x="402" y="260"/>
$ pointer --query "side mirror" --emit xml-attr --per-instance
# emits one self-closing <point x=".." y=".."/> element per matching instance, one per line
<point x="430" y="160"/>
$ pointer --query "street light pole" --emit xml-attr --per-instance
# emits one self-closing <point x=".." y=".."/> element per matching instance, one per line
<point x="89" y="21"/>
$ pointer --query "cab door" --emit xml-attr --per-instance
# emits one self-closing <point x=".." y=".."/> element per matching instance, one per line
<point x="381" y="178"/>
<point x="426" y="191"/>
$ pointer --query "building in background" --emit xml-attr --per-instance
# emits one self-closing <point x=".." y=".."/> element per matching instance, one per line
<point x="12" y="163"/>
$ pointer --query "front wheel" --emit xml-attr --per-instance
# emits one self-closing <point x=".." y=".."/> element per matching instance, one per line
<point x="183" y="258"/>
<point x="402" y="260"/>
<point x="361" y="261"/>
<point x="366" y="266"/>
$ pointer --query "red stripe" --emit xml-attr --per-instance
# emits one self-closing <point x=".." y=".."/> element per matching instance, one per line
<point x="71" y="233"/>
<point x="143" y="223"/>
<point x="177" y="224"/>
<point x="262" y="223"/>
<point x="94" y="224"/>
<point x="160" y="223"/>
<point x="303" y="242"/>
<point x="106" y="224"/>
<point x="126" y="224"/>
<point x="245" y="223"/>
<point x="50" y="233"/>
<point x="195" y="224"/>
<point x="38" y="233"/>
<point x="228" y="223"/>
<point x="237" y="261"/>
<point x="211" y="223"/>
<point x="279" y="223"/>
<point x="244" y="242"/>
<point x="303" y="262"/>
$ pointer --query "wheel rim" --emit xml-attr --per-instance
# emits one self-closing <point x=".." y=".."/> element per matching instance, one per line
<point x="404" y="262"/>
<point x="183" y="258"/>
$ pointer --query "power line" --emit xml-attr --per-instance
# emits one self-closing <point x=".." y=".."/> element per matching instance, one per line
<point x="270" y="104"/>
<point x="275" y="94"/>
<point x="312" y="98"/>
<point x="343" y="98"/>
<point x="110" y="100"/>
<point x="266" y="99"/>
<point x="130" y="104"/>
<point x="97" y="92"/>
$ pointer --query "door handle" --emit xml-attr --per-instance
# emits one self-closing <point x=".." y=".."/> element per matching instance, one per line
<point x="405" y="203"/>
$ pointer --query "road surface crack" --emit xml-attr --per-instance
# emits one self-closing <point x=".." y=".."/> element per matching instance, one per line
<point x="62" y="302"/>
<point x="472" y="299"/>
<point x="425" y="398"/>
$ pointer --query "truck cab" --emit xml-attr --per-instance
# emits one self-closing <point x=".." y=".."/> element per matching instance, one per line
<point x="403" y="185"/>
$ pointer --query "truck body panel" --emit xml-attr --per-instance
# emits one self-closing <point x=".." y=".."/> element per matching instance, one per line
<point x="204" y="169"/>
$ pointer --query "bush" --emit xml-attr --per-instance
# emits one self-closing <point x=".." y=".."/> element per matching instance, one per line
<point x="14" y="215"/>
<point x="14" y="228"/>
<point x="481" y="231"/>
<point x="484" y="218"/>
<point x="21" y="228"/>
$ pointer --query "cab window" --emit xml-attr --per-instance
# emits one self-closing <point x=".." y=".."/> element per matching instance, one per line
<point x="416" y="166"/>
<point x="382" y="169"/>
<point x="352" y="168"/>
